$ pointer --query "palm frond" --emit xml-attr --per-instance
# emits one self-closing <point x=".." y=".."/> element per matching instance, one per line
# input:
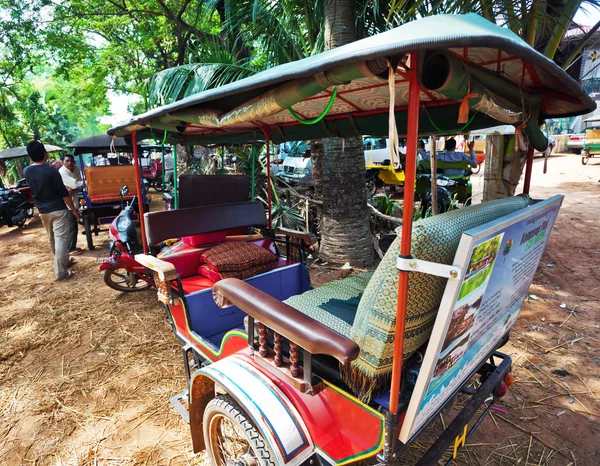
<point x="177" y="83"/>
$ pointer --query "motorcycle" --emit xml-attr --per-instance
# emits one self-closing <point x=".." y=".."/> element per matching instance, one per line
<point x="153" y="175"/>
<point x="444" y="194"/>
<point x="13" y="208"/>
<point x="121" y="271"/>
<point x="24" y="189"/>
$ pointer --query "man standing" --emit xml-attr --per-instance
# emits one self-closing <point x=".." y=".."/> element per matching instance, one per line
<point x="168" y="168"/>
<point x="452" y="155"/>
<point x="51" y="198"/>
<point x="71" y="177"/>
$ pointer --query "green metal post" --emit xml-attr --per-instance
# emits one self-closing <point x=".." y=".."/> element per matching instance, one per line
<point x="163" y="166"/>
<point x="222" y="160"/>
<point x="253" y="162"/>
<point x="175" y="183"/>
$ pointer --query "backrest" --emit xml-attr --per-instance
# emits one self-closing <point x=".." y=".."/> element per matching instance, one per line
<point x="441" y="166"/>
<point x="108" y="181"/>
<point x="434" y="239"/>
<point x="204" y="190"/>
<point x="169" y="224"/>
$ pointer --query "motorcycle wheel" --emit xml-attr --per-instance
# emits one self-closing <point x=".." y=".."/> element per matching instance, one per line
<point x="585" y="159"/>
<point x="157" y="187"/>
<point x="30" y="211"/>
<point x="476" y="169"/>
<point x="371" y="187"/>
<point x="121" y="280"/>
<point x="88" y="232"/>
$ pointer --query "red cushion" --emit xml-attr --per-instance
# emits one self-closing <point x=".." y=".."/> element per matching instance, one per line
<point x="195" y="283"/>
<point x="207" y="272"/>
<point x="237" y="256"/>
<point x="206" y="238"/>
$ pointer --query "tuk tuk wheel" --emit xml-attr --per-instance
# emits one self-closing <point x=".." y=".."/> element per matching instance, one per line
<point x="87" y="226"/>
<point x="122" y="280"/>
<point x="230" y="436"/>
<point x="585" y="159"/>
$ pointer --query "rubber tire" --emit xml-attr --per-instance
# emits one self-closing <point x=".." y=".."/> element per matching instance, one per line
<point x="226" y="406"/>
<point x="585" y="159"/>
<point x="30" y="211"/>
<point x="88" y="232"/>
<point x="476" y="170"/>
<point x="110" y="284"/>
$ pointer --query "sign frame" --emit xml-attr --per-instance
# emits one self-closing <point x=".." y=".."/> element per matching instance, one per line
<point x="469" y="240"/>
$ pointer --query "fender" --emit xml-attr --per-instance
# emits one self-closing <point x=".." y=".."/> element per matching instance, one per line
<point x="272" y="413"/>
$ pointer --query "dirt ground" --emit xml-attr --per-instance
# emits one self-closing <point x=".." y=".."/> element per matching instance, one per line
<point x="86" y="372"/>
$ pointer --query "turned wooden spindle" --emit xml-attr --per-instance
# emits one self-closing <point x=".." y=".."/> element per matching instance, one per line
<point x="294" y="359"/>
<point x="262" y="340"/>
<point x="277" y="348"/>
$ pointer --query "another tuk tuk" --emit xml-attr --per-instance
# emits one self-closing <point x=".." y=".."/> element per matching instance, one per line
<point x="102" y="200"/>
<point x="282" y="374"/>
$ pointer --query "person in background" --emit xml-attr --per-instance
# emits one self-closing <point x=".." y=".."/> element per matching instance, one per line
<point x="51" y="199"/>
<point x="168" y="168"/>
<point x="102" y="160"/>
<point x="71" y="177"/>
<point x="422" y="153"/>
<point x="450" y="154"/>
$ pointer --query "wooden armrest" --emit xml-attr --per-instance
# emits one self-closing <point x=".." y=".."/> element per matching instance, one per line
<point x="297" y="327"/>
<point x="165" y="270"/>
<point x="307" y="237"/>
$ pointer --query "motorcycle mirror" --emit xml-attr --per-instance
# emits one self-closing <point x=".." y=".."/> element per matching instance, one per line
<point x="124" y="190"/>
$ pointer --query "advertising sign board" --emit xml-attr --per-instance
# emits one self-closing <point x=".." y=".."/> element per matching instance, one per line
<point x="498" y="262"/>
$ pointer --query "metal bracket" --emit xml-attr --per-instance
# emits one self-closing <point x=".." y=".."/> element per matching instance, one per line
<point x="431" y="268"/>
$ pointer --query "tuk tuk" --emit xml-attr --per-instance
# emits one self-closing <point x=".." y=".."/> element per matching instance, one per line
<point x="101" y="199"/>
<point x="21" y="189"/>
<point x="279" y="373"/>
<point x="591" y="144"/>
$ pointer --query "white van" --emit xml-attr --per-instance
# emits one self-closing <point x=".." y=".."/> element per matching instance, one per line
<point x="297" y="165"/>
<point x="377" y="150"/>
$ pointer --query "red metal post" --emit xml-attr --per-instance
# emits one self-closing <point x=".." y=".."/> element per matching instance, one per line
<point x="528" y="170"/>
<point x="138" y="186"/>
<point x="412" y="133"/>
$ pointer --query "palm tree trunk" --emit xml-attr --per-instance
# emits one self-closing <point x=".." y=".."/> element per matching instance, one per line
<point x="345" y="229"/>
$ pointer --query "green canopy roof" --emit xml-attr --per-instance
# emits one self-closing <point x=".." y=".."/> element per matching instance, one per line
<point x="513" y="84"/>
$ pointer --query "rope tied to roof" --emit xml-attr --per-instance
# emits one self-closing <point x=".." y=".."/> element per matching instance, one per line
<point x="393" y="129"/>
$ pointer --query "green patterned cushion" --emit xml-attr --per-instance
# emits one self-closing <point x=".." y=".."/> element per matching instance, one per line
<point x="333" y="304"/>
<point x="434" y="239"/>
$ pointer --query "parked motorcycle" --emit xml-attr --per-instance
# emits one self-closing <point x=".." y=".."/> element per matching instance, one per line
<point x="121" y="271"/>
<point x="24" y="189"/>
<point x="13" y="208"/>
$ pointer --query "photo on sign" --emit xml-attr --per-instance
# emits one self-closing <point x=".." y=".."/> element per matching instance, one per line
<point x="451" y="357"/>
<point x="481" y="265"/>
<point x="462" y="320"/>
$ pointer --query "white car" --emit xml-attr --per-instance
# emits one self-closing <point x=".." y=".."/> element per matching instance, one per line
<point x="576" y="142"/>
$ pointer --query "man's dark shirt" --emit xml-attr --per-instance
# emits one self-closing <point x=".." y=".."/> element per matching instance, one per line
<point x="47" y="188"/>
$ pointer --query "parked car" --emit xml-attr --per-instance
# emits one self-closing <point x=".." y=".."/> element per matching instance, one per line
<point x="576" y="142"/>
<point x="297" y="165"/>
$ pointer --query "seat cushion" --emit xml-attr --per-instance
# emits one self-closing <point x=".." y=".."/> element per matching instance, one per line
<point x="434" y="239"/>
<point x="237" y="256"/>
<point x="215" y="276"/>
<point x="333" y="304"/>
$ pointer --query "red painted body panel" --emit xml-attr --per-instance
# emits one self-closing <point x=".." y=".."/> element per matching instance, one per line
<point x="341" y="427"/>
<point x="231" y="344"/>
